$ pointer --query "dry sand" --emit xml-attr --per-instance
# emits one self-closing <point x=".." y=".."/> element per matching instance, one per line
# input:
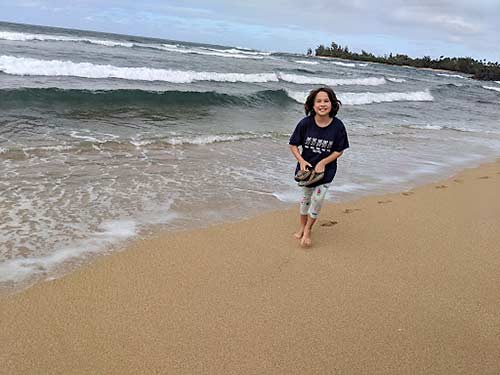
<point x="405" y="283"/>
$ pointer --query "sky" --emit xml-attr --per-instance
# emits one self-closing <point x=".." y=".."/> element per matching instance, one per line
<point x="454" y="28"/>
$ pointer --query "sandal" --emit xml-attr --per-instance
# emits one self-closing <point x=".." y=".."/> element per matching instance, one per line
<point x="302" y="175"/>
<point x="313" y="178"/>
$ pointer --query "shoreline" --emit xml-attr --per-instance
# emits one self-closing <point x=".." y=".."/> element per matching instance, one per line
<point x="399" y="283"/>
<point x="153" y="230"/>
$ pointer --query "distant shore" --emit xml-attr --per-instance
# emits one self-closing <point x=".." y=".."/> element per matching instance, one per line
<point x="375" y="62"/>
<point x="403" y="283"/>
<point x="475" y="68"/>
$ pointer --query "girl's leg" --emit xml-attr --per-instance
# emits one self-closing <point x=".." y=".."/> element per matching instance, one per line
<point x="305" y="203"/>
<point x="303" y="222"/>
<point x="317" y="199"/>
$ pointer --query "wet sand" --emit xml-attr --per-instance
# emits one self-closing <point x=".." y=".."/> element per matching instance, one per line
<point x="405" y="283"/>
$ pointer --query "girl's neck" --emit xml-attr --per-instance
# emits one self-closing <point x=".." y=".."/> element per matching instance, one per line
<point x="323" y="120"/>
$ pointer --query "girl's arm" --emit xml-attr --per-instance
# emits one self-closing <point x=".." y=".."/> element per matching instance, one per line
<point x="320" y="167"/>
<point x="303" y="164"/>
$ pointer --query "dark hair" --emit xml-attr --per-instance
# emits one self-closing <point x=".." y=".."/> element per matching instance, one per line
<point x="309" y="104"/>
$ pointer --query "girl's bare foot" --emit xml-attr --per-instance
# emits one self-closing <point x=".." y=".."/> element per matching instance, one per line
<point x="298" y="235"/>
<point x="306" y="241"/>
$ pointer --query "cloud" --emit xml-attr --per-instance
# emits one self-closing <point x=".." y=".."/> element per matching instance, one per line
<point x="420" y="16"/>
<point x="415" y="27"/>
<point x="29" y="4"/>
<point x="180" y="10"/>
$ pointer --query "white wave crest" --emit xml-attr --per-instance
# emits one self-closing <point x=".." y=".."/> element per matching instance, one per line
<point x="103" y="137"/>
<point x="7" y="35"/>
<point x="35" y="67"/>
<point x="425" y="127"/>
<point x="299" y="79"/>
<point x="369" y="97"/>
<point x="233" y="52"/>
<point x="48" y="148"/>
<point x="492" y="88"/>
<point x="298" y="96"/>
<point x="395" y="80"/>
<point x="340" y="63"/>
<point x="238" y="51"/>
<point x="447" y="127"/>
<point x="208" y="139"/>
<point x="451" y="75"/>
<point x="307" y="62"/>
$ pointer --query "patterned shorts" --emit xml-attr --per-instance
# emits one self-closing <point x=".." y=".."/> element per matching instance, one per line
<point x="312" y="200"/>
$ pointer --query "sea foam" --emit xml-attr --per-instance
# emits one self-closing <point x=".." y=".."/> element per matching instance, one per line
<point x="108" y="233"/>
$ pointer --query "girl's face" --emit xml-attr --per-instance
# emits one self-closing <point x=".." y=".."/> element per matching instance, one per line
<point x="322" y="104"/>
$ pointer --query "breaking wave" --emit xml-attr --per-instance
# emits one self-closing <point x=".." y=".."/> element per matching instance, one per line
<point x="229" y="52"/>
<point x="127" y="98"/>
<point x="370" y="97"/>
<point x="35" y="67"/>
<point x="299" y="79"/>
<point x="492" y="88"/>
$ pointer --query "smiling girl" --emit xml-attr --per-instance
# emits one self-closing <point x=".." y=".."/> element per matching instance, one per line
<point x="323" y="139"/>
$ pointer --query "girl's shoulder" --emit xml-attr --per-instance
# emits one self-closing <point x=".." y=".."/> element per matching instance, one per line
<point x="338" y="122"/>
<point x="306" y="121"/>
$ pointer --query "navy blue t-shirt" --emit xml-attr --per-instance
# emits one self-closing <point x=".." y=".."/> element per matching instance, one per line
<point x="318" y="143"/>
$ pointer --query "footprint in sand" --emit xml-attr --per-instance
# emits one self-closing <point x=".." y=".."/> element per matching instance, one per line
<point x="329" y="223"/>
<point x="484" y="177"/>
<point x="407" y="193"/>
<point x="458" y="181"/>
<point x="384" y="202"/>
<point x="350" y="210"/>
<point x="441" y="187"/>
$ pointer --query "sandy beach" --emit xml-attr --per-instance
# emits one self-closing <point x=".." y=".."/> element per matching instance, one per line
<point x="405" y="283"/>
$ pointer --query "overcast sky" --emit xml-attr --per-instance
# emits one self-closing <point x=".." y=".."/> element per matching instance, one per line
<point x="417" y="28"/>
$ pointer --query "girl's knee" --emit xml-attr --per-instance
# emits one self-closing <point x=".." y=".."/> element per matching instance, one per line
<point x="317" y="199"/>
<point x="314" y="210"/>
<point x="313" y="214"/>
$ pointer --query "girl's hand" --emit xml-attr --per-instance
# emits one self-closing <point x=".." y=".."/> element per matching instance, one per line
<point x="320" y="167"/>
<point x="304" y="164"/>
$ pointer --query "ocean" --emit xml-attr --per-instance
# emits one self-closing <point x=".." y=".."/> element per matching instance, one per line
<point x="105" y="137"/>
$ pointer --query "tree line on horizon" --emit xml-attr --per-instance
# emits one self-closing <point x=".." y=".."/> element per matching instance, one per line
<point x="479" y="70"/>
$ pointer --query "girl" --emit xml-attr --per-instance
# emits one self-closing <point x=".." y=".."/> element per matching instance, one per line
<point x="323" y="139"/>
